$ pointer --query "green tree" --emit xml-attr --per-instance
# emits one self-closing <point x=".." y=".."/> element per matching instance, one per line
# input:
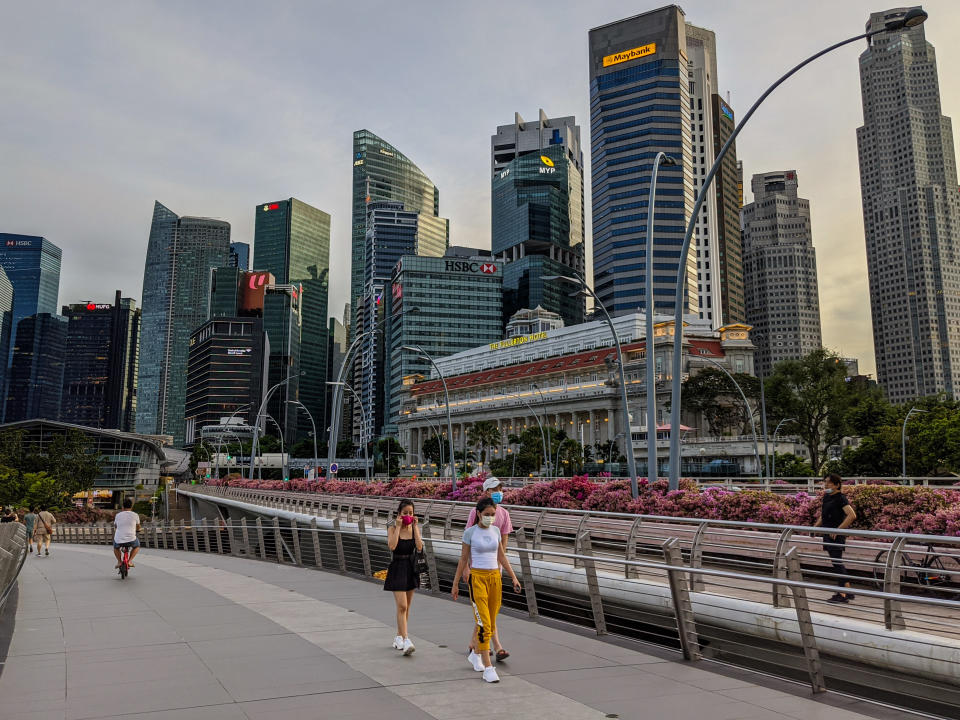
<point x="482" y="435"/>
<point x="44" y="491"/>
<point x="388" y="453"/>
<point x="815" y="392"/>
<point x="789" y="465"/>
<point x="711" y="393"/>
<point x="434" y="449"/>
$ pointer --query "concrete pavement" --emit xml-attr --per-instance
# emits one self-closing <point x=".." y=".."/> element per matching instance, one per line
<point x="217" y="638"/>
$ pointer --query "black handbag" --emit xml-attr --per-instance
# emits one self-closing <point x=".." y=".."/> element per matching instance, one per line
<point x="420" y="562"/>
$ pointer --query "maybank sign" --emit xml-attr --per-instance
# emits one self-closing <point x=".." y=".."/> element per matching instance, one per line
<point x="631" y="54"/>
<point x="520" y="340"/>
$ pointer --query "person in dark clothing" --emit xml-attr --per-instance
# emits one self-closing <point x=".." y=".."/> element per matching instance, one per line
<point x="403" y="538"/>
<point x="836" y="512"/>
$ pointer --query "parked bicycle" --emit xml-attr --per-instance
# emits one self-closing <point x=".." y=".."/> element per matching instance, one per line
<point x="928" y="571"/>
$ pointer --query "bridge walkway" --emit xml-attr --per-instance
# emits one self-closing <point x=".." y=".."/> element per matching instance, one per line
<point x="209" y="637"/>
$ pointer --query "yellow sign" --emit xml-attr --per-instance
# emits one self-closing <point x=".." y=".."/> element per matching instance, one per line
<point x="631" y="54"/>
<point x="520" y="340"/>
<point x="546" y="161"/>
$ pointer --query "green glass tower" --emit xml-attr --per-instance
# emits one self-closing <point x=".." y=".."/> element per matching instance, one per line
<point x="292" y="241"/>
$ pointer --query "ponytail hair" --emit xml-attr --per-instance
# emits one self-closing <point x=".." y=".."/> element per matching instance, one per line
<point x="481" y="506"/>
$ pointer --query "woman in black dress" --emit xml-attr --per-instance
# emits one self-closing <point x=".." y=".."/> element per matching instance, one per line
<point x="403" y="537"/>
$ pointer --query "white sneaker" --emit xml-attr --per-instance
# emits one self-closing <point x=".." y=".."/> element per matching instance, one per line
<point x="490" y="675"/>
<point x="398" y="642"/>
<point x="476" y="661"/>
<point x="408" y="647"/>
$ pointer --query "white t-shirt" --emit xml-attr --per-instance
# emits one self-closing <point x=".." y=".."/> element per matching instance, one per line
<point x="484" y="543"/>
<point x="126" y="522"/>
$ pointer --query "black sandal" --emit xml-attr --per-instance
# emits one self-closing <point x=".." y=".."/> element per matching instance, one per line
<point x="502" y="655"/>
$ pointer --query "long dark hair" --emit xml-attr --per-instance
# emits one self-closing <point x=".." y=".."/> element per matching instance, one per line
<point x="404" y="503"/>
<point x="481" y="506"/>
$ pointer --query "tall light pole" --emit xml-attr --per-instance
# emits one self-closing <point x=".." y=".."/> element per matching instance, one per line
<point x="909" y="19"/>
<point x="453" y="458"/>
<point x="316" y="470"/>
<point x="256" y="421"/>
<point x="439" y="435"/>
<point x="903" y="441"/>
<point x="746" y="406"/>
<point x="367" y="422"/>
<point x="653" y="470"/>
<point x="543" y="435"/>
<point x="775" y="432"/>
<point x="628" y="434"/>
<point x="543" y="407"/>
<point x="220" y="440"/>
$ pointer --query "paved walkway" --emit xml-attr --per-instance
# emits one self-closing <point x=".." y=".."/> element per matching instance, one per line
<point x="204" y="637"/>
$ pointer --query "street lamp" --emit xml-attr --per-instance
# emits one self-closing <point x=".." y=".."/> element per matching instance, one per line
<point x="543" y="407"/>
<point x="453" y="458"/>
<point x="785" y="420"/>
<point x="746" y="405"/>
<point x="909" y="19"/>
<point x="903" y="440"/>
<point x="363" y="436"/>
<point x="283" y="464"/>
<point x="631" y="462"/>
<point x="543" y="435"/>
<point x="435" y="427"/>
<point x="256" y="421"/>
<point x="316" y="472"/>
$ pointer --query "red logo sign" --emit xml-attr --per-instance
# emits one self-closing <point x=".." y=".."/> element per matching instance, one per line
<point x="91" y="306"/>
<point x="488" y="268"/>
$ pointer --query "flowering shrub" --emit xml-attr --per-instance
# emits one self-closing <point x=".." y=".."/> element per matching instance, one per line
<point x="880" y="505"/>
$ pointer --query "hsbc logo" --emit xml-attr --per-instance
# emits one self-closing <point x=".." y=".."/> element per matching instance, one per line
<point x="19" y="243"/>
<point x="465" y="266"/>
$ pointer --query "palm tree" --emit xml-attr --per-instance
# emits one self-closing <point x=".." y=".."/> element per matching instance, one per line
<point x="483" y="434"/>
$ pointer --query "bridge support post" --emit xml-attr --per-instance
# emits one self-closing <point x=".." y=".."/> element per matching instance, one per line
<point x="261" y="546"/>
<point x="576" y="539"/>
<point x="526" y="573"/>
<point x="593" y="585"/>
<point x="183" y="536"/>
<point x="630" y="571"/>
<point x="219" y="536"/>
<point x="338" y="538"/>
<point x="447" y="521"/>
<point x="892" y="609"/>
<point x="697" y="583"/>
<point x="204" y="535"/>
<point x="781" y="596"/>
<point x="364" y="546"/>
<point x="277" y="540"/>
<point x="193" y="536"/>
<point x="538" y="534"/>
<point x="807" y="636"/>
<point x="431" y="559"/>
<point x="295" y="529"/>
<point x="315" y="537"/>
<point x="682" y="608"/>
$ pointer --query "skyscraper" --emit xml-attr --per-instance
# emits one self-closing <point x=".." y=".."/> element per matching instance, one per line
<point x="780" y="268"/>
<point x="292" y="241"/>
<point x="36" y="374"/>
<point x="728" y="262"/>
<point x="6" y="333"/>
<point x="911" y="215"/>
<point x="176" y="288"/>
<point x="32" y="265"/>
<point x="100" y="366"/>
<point x="640" y="104"/>
<point x="537" y="213"/>
<point x="240" y="255"/>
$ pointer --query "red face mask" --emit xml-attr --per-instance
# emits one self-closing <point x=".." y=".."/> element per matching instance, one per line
<point x="406" y="519"/>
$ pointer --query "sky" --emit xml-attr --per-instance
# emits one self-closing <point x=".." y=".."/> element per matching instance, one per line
<point x="215" y="107"/>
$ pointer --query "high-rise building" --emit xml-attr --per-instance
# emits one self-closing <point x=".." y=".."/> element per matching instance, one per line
<point x="780" y="267"/>
<point x="100" y="366"/>
<point x="292" y="241"/>
<point x="240" y="255"/>
<point x="728" y="262"/>
<point x="36" y="374"/>
<point x="640" y="105"/>
<point x="6" y="333"/>
<point x="336" y="353"/>
<point x="176" y="289"/>
<point x="444" y="305"/>
<point x="911" y="215"/>
<point x="32" y="265"/>
<point x="537" y="218"/>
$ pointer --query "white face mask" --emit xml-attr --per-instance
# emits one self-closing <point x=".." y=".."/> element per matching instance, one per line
<point x="486" y="520"/>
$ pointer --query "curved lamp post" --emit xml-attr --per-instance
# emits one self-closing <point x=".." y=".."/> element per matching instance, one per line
<point x="908" y="20"/>
<point x="903" y="440"/>
<point x="775" y="432"/>
<point x="543" y="407"/>
<point x="337" y="400"/>
<point x="367" y="422"/>
<point x="453" y="458"/>
<point x="256" y="421"/>
<point x="543" y="435"/>
<point x="316" y="470"/>
<point x="746" y="406"/>
<point x="628" y="434"/>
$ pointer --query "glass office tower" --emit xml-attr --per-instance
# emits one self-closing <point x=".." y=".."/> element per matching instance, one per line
<point x="6" y="334"/>
<point x="640" y="105"/>
<point x="32" y="265"/>
<point x="176" y="286"/>
<point x="292" y="241"/>
<point x="36" y="374"/>
<point x="240" y="255"/>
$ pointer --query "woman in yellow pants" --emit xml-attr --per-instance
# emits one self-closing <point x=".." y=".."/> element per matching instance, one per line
<point x="481" y="557"/>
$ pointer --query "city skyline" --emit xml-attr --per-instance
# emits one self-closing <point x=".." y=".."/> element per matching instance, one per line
<point x="82" y="135"/>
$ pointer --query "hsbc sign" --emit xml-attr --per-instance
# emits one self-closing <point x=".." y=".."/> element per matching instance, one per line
<point x="468" y="266"/>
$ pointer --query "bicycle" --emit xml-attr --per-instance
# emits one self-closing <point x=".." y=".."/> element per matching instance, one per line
<point x="124" y="568"/>
<point x="929" y="572"/>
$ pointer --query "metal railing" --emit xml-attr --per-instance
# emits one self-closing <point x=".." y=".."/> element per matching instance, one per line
<point x="13" y="551"/>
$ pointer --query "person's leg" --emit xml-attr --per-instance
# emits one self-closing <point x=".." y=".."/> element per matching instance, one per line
<point x="495" y="597"/>
<point x="406" y="614"/>
<point x="479" y="598"/>
<point x="116" y="554"/>
<point x="133" y="553"/>
<point x="400" y="598"/>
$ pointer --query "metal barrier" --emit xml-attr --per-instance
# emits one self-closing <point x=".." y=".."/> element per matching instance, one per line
<point x="774" y="622"/>
<point x="13" y="551"/>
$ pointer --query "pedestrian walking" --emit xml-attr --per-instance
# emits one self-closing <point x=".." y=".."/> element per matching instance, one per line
<point x="44" y="530"/>
<point x="493" y="489"/>
<point x="403" y="538"/>
<point x="836" y="512"/>
<point x="481" y="557"/>
<point x="30" y="520"/>
<point x="9" y="515"/>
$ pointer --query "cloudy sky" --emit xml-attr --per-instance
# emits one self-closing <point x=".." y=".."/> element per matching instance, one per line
<point x="213" y="107"/>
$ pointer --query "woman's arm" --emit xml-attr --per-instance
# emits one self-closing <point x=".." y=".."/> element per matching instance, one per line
<point x="505" y="564"/>
<point x="393" y="537"/>
<point x="417" y="540"/>
<point x="463" y="568"/>
<point x="851" y="516"/>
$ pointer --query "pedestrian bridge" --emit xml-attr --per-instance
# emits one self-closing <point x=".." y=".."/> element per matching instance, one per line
<point x="210" y="636"/>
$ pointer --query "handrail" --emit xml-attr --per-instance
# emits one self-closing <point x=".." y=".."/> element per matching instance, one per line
<point x="13" y="553"/>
